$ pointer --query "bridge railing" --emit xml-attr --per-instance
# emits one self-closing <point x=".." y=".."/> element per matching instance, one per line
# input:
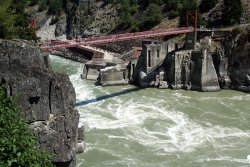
<point x="112" y="38"/>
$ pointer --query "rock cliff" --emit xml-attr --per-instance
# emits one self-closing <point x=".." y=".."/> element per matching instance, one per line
<point x="86" y="18"/>
<point x="237" y="51"/>
<point x="46" y="98"/>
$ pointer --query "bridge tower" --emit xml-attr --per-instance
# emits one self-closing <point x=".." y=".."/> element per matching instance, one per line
<point x="191" y="38"/>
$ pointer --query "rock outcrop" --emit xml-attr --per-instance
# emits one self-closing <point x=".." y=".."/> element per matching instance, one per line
<point x="237" y="51"/>
<point x="87" y="18"/>
<point x="214" y="16"/>
<point x="46" y="98"/>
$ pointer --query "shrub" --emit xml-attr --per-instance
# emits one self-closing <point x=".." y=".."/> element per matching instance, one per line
<point x="128" y="8"/>
<point x="173" y="14"/>
<point x="154" y="16"/>
<point x="42" y="5"/>
<point x="207" y="5"/>
<point x="18" y="146"/>
<point x="14" y="21"/>
<point x="232" y="11"/>
<point x="135" y="27"/>
<point x="236" y="31"/>
<point x="7" y="19"/>
<point x="55" y="7"/>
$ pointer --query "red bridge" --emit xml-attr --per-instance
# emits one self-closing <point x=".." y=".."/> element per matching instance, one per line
<point x="53" y="45"/>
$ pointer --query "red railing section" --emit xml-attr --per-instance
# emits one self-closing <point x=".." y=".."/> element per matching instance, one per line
<point x="53" y="45"/>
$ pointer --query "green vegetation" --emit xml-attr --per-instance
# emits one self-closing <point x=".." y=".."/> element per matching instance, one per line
<point x="14" y="22"/>
<point x="18" y="146"/>
<point x="186" y="5"/>
<point x="236" y="31"/>
<point x="151" y="17"/>
<point x="54" y="7"/>
<point x="135" y="15"/>
<point x="232" y="12"/>
<point x="154" y="16"/>
<point x="126" y="8"/>
<point x="207" y="5"/>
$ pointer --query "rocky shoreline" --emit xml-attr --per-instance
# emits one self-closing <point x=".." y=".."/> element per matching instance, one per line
<point x="46" y="98"/>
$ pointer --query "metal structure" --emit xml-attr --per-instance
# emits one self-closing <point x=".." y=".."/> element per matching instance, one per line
<point x="193" y="16"/>
<point x="53" y="45"/>
<point x="34" y="26"/>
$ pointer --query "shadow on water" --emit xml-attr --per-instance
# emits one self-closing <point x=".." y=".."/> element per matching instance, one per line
<point x="82" y="103"/>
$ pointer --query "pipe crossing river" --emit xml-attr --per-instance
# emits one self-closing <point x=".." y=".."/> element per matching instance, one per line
<point x="130" y="127"/>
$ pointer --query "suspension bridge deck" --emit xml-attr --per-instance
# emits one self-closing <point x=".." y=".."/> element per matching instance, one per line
<point x="53" y="45"/>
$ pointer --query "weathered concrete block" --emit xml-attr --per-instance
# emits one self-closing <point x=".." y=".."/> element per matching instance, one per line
<point x="204" y="77"/>
<point x="112" y="76"/>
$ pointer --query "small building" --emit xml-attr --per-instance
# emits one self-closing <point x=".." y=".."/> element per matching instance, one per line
<point x="171" y="65"/>
<point x="122" y="72"/>
<point x="99" y="61"/>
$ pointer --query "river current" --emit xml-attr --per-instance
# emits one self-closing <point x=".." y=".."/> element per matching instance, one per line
<point x="130" y="127"/>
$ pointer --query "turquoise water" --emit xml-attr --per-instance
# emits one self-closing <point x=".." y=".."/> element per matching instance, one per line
<point x="130" y="127"/>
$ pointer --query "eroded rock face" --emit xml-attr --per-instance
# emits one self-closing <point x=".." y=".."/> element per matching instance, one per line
<point x="87" y="18"/>
<point x="237" y="50"/>
<point x="46" y="98"/>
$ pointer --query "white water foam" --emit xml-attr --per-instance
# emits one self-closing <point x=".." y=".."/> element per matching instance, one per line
<point x="224" y="158"/>
<point x="83" y="91"/>
<point x="180" y="134"/>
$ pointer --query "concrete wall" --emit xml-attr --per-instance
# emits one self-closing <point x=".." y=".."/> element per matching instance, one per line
<point x="163" y="65"/>
<point x="91" y="71"/>
<point x="113" y="76"/>
<point x="155" y="54"/>
<point x="179" y="70"/>
<point x="204" y="76"/>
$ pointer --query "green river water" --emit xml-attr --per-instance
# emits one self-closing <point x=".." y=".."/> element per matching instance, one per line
<point x="130" y="127"/>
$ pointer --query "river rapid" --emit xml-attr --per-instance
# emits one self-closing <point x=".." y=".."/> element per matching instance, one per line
<point x="130" y="127"/>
